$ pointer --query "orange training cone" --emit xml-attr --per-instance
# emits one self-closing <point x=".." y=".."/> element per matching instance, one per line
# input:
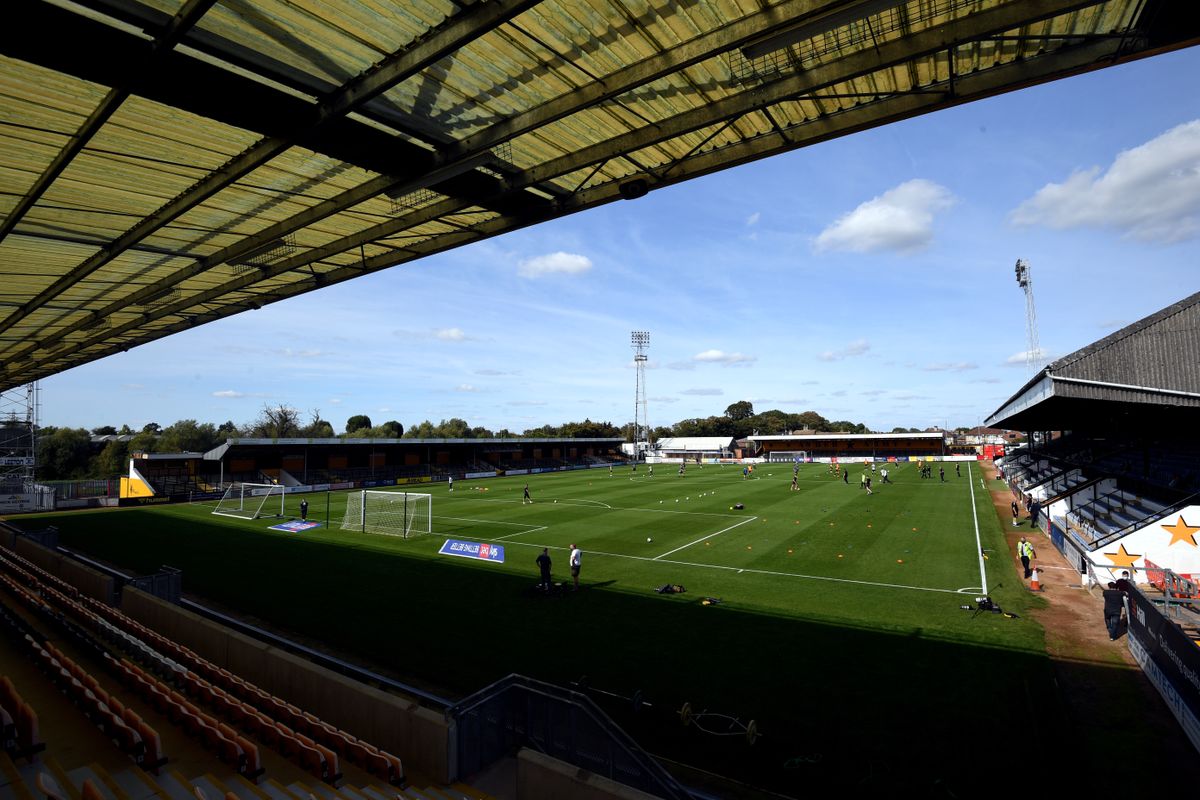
<point x="1033" y="581"/>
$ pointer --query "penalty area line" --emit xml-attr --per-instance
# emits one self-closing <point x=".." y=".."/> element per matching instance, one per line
<point x="703" y="538"/>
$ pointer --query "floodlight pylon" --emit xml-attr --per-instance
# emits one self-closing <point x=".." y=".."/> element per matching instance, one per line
<point x="641" y="424"/>
<point x="1033" y="350"/>
<point x="19" y="408"/>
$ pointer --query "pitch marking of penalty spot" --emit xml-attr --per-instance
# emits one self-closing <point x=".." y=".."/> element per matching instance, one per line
<point x="704" y="538"/>
<point x="661" y="560"/>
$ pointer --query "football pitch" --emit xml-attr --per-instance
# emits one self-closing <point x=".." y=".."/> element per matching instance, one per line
<point x="839" y="628"/>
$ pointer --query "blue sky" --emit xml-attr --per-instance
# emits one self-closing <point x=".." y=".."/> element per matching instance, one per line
<point x="868" y="278"/>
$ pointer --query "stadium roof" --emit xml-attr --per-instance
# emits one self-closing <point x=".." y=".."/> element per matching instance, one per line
<point x="1152" y="365"/>
<point x="167" y="163"/>
<point x="695" y="443"/>
<point x="220" y="450"/>
<point x="824" y="437"/>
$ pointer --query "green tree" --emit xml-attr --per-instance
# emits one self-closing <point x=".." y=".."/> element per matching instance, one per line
<point x="112" y="461"/>
<point x="276" y="422"/>
<point x="228" y="430"/>
<point x="152" y="427"/>
<point x="104" y="430"/>
<point x="64" y="453"/>
<point x="144" y="442"/>
<point x="357" y="423"/>
<point x="742" y="409"/>
<point x="392" y="429"/>
<point x="423" y="430"/>
<point x="187" y="436"/>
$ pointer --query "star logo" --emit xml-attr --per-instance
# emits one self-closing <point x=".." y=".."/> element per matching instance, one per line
<point x="1182" y="532"/>
<point x="1122" y="558"/>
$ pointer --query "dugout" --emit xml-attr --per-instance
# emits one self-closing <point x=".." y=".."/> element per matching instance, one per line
<point x="851" y="446"/>
<point x="694" y="449"/>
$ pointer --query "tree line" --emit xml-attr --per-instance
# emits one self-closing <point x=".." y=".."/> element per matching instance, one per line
<point x="69" y="453"/>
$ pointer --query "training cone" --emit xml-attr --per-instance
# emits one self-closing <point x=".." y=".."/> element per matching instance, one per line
<point x="1034" y="584"/>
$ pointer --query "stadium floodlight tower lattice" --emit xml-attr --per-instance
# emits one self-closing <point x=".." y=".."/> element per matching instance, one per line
<point x="251" y="501"/>
<point x="402" y="514"/>
<point x="641" y="423"/>
<point x="1033" y="351"/>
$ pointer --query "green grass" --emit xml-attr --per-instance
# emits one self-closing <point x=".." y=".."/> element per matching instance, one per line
<point x="840" y="625"/>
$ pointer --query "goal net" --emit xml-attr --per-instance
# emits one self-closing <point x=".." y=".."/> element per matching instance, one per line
<point x="251" y="501"/>
<point x="395" y="513"/>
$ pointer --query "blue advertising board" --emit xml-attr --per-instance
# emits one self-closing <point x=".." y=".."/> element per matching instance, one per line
<point x="482" y="551"/>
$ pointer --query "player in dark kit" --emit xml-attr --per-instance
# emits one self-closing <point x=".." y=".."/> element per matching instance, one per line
<point x="526" y="498"/>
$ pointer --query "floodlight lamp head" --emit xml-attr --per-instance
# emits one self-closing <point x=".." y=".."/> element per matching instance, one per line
<point x="640" y="338"/>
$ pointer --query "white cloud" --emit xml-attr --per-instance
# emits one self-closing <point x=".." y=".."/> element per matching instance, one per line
<point x="525" y="403"/>
<point x="1151" y="192"/>
<point x="753" y="219"/>
<point x="723" y="358"/>
<point x="438" y="334"/>
<point x="1040" y="356"/>
<point x="554" y="263"/>
<point x="856" y="348"/>
<point x="465" y="387"/>
<point x="986" y="380"/>
<point x="958" y="366"/>
<point x="337" y="401"/>
<point x="663" y="399"/>
<point x="703" y="392"/>
<point x="497" y="372"/>
<point x="795" y="401"/>
<point x="681" y="365"/>
<point x="900" y="219"/>
<point x="228" y="393"/>
<point x="133" y="386"/>
<point x="288" y="352"/>
<point x="874" y="392"/>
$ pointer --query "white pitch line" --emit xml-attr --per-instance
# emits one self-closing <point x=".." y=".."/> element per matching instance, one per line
<point x="613" y="508"/>
<point x="703" y="538"/>
<point x="975" y="518"/>
<point x="748" y="569"/>
<point x="490" y="522"/>
<point x="518" y="533"/>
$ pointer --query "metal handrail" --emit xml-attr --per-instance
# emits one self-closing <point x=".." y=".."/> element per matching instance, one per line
<point x="665" y="784"/>
<point x="1117" y="534"/>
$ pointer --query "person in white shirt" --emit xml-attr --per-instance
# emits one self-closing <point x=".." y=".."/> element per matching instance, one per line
<point x="576" y="557"/>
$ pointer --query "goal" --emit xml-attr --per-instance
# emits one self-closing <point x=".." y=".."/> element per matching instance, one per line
<point x="395" y="513"/>
<point x="251" y="501"/>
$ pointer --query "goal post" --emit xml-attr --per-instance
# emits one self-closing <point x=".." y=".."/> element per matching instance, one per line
<point x="251" y="501"/>
<point x="402" y="514"/>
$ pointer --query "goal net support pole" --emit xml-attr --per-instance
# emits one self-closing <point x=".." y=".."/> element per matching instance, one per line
<point x="250" y="501"/>
<point x="402" y="514"/>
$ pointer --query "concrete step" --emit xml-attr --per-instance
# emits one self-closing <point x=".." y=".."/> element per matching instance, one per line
<point x="304" y="791"/>
<point x="212" y="788"/>
<point x="137" y="785"/>
<point x="88" y="773"/>
<point x="372" y="793"/>
<point x="55" y="770"/>
<point x="174" y="786"/>
<point x="13" y="787"/>
<point x="277" y="791"/>
<point x="244" y="789"/>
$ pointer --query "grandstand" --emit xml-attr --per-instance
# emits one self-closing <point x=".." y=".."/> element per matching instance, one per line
<point x="171" y="165"/>
<point x="1111" y="471"/>
<point x="852" y="446"/>
<point x="319" y="464"/>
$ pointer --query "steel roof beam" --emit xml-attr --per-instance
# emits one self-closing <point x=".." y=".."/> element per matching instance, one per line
<point x="460" y="30"/>
<point x="888" y="109"/>
<point x="175" y="30"/>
